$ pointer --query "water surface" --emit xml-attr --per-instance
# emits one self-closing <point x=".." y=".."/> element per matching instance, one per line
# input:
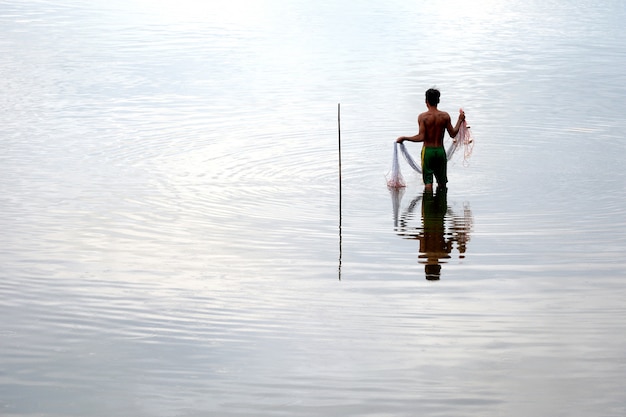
<point x="173" y="242"/>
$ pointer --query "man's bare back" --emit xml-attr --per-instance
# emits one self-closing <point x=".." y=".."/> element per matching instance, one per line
<point x="434" y="123"/>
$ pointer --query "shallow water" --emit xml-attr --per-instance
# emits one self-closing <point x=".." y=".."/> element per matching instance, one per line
<point x="173" y="242"/>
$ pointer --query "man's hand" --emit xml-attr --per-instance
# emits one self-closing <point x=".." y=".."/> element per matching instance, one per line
<point x="401" y="139"/>
<point x="461" y="115"/>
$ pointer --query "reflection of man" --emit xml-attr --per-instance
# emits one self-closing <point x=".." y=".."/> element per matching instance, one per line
<point x="433" y="243"/>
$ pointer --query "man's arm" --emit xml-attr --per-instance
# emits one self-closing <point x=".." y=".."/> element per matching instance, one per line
<point x="453" y="131"/>
<point x="417" y="138"/>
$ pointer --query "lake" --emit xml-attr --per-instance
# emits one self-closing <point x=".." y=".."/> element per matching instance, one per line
<point x="178" y="240"/>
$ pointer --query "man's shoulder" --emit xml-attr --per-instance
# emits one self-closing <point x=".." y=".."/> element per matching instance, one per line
<point x="443" y="116"/>
<point x="435" y="113"/>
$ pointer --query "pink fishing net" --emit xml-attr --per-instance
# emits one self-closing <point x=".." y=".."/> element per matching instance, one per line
<point x="465" y="139"/>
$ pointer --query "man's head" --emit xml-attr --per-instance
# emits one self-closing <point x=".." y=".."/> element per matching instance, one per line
<point x="433" y="271"/>
<point x="432" y="96"/>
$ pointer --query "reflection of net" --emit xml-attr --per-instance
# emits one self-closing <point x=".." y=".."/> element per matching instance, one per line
<point x="463" y="139"/>
<point x="461" y="227"/>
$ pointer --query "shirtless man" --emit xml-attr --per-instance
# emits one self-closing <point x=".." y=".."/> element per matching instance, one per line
<point x="433" y="124"/>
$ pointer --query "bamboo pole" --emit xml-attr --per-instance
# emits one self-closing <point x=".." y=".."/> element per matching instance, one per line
<point x="339" y="143"/>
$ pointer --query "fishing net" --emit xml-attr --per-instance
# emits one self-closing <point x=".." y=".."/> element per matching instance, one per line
<point x="409" y="160"/>
<point x="394" y="177"/>
<point x="463" y="139"/>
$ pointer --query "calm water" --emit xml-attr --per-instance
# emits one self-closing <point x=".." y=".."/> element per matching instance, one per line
<point x="172" y="239"/>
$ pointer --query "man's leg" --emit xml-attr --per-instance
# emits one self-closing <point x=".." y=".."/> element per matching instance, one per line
<point x="427" y="171"/>
<point x="441" y="169"/>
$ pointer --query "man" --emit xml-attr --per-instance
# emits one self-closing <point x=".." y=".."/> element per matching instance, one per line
<point x="433" y="124"/>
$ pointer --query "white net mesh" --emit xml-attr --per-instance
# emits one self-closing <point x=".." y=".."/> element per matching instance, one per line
<point x="394" y="177"/>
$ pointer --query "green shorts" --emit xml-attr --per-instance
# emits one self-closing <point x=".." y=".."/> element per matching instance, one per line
<point x="434" y="161"/>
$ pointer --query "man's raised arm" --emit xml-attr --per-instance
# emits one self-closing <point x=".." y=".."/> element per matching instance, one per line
<point x="453" y="131"/>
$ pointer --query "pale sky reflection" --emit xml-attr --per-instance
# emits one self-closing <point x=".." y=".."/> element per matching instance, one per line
<point x="237" y="13"/>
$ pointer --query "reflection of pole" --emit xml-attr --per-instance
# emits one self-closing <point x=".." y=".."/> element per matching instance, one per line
<point x="339" y="141"/>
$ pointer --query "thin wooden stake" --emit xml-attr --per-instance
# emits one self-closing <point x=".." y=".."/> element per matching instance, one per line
<point x="339" y="142"/>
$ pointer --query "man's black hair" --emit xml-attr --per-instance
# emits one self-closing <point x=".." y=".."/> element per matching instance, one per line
<point x="432" y="96"/>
